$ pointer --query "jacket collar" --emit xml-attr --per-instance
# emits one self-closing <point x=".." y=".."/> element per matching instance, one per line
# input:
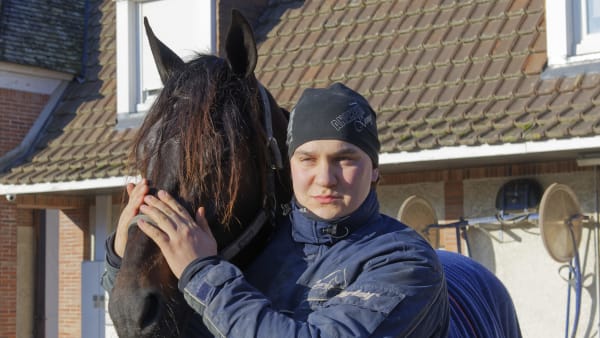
<point x="309" y="228"/>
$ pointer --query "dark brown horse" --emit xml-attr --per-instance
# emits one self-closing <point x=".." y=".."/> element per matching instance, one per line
<point x="214" y="138"/>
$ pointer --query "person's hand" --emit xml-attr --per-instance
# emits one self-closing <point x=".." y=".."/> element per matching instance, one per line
<point x="180" y="238"/>
<point x="136" y="195"/>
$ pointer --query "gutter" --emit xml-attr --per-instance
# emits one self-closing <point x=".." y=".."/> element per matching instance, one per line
<point x="576" y="145"/>
<point x="71" y="186"/>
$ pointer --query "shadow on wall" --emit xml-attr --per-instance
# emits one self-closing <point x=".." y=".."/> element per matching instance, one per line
<point x="481" y="248"/>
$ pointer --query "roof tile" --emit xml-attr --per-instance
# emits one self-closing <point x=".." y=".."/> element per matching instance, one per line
<point x="454" y="35"/>
<point x="366" y="48"/>
<point x="483" y="50"/>
<point x="435" y="38"/>
<point x="534" y="63"/>
<point x="464" y="52"/>
<point x="461" y="15"/>
<point x="417" y="40"/>
<point x="583" y="98"/>
<point x="499" y="9"/>
<point x="511" y="135"/>
<point x="399" y="8"/>
<point x="449" y="93"/>
<point x="440" y="129"/>
<point x="480" y="11"/>
<point x="562" y="100"/>
<point x="580" y="128"/>
<point x="468" y="92"/>
<point x="569" y="83"/>
<point x="426" y="21"/>
<point x="559" y="130"/>
<point x="507" y="87"/>
<point x="518" y="105"/>
<point x="476" y="70"/>
<point x="487" y="90"/>
<point x="430" y="95"/>
<point x="493" y="28"/>
<point x="383" y="10"/>
<point x="590" y="80"/>
<point x="458" y="112"/>
<point x="494" y="69"/>
<point x="408" y="24"/>
<point x="527" y="86"/>
<point x="530" y="23"/>
<point x="498" y="108"/>
<point x="437" y="115"/>
<point x="443" y="17"/>
<point x="375" y="29"/>
<point x="569" y="115"/>
<point x="592" y="114"/>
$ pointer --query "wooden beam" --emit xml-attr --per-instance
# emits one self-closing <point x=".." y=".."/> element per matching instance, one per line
<point x="45" y="201"/>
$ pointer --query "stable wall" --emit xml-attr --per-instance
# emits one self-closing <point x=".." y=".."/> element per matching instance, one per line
<point x="515" y="254"/>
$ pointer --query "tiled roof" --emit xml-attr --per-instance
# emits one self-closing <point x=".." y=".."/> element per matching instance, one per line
<point x="46" y="34"/>
<point x="438" y="72"/>
<point x="80" y="142"/>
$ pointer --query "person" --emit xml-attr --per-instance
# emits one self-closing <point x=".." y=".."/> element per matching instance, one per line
<point x="335" y="267"/>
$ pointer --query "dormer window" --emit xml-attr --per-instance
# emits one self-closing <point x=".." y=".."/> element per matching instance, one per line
<point x="186" y="26"/>
<point x="573" y="32"/>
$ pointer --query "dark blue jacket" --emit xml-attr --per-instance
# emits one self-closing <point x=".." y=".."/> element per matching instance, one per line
<point x="364" y="275"/>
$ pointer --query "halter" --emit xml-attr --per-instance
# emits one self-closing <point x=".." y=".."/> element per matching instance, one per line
<point x="270" y="201"/>
<point x="269" y="207"/>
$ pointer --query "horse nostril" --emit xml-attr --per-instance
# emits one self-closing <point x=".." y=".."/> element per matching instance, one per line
<point x="151" y="310"/>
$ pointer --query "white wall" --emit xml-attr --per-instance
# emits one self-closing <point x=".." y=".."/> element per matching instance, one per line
<point x="517" y="255"/>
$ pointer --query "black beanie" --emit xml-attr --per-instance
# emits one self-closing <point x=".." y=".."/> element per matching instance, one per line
<point x="334" y="113"/>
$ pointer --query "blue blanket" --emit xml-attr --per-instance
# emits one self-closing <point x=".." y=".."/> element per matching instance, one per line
<point x="480" y="305"/>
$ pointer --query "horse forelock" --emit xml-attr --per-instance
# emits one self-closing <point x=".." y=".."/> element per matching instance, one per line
<point x="211" y="117"/>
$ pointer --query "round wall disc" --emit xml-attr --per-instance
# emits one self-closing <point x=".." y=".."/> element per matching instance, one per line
<point x="417" y="213"/>
<point x="560" y="209"/>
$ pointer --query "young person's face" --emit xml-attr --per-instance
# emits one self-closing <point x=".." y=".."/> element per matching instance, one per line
<point x="331" y="178"/>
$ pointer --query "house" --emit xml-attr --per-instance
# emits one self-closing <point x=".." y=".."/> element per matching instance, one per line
<point x="470" y="95"/>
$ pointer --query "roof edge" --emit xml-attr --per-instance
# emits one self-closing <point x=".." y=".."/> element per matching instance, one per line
<point x="35" y="71"/>
<point x="11" y="157"/>
<point x="577" y="144"/>
<point x="70" y="186"/>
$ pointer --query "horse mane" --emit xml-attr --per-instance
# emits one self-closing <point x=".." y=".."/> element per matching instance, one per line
<point x="205" y="112"/>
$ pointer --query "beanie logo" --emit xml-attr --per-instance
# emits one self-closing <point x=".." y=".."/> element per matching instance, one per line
<point x="290" y="136"/>
<point x="359" y="118"/>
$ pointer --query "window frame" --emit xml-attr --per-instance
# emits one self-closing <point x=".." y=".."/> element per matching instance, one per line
<point x="567" y="44"/>
<point x="131" y="109"/>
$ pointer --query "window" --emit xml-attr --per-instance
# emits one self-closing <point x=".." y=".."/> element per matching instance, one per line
<point x="186" y="26"/>
<point x="587" y="27"/>
<point x="573" y="31"/>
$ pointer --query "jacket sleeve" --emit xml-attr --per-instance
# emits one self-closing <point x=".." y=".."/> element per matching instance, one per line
<point x="400" y="295"/>
<point x="112" y="264"/>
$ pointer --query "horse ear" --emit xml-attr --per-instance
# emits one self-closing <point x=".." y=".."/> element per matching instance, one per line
<point x="165" y="59"/>
<point x="240" y="46"/>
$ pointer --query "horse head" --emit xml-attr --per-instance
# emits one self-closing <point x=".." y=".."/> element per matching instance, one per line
<point x="212" y="138"/>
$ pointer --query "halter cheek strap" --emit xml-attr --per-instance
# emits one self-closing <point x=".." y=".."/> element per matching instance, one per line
<point x="270" y="201"/>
